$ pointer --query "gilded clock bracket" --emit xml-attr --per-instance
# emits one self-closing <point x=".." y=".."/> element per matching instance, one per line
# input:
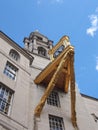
<point x="63" y="41"/>
<point x="50" y="87"/>
<point x="67" y="75"/>
<point x="65" y="65"/>
<point x="72" y="90"/>
<point x="67" y="81"/>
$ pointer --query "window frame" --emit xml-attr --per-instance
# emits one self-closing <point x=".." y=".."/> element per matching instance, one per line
<point x="53" y="99"/>
<point x="6" y="96"/>
<point x="42" y="51"/>
<point x="56" y="123"/>
<point x="10" y="70"/>
<point x="14" y="55"/>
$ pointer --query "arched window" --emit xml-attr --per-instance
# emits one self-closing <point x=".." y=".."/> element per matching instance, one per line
<point x="14" y="54"/>
<point x="41" y="51"/>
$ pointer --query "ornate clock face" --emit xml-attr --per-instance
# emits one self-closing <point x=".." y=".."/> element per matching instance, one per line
<point x="58" y="51"/>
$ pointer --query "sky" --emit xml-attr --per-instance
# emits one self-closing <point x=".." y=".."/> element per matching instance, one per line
<point x="77" y="19"/>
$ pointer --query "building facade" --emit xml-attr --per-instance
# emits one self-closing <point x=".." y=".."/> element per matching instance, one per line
<point x="24" y="75"/>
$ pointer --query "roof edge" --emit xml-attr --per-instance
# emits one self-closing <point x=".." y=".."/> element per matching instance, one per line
<point x="89" y="97"/>
<point x="15" y="45"/>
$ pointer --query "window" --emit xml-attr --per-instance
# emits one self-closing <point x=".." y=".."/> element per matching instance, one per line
<point x="41" y="51"/>
<point x="56" y="123"/>
<point x="14" y="55"/>
<point x="53" y="99"/>
<point x="10" y="70"/>
<point x="5" y="98"/>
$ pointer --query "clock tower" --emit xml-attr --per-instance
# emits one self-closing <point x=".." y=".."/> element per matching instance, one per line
<point x="38" y="44"/>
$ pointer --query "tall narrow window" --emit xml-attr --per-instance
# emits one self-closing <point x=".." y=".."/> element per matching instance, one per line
<point x="41" y="51"/>
<point x="14" y="54"/>
<point x="10" y="70"/>
<point x="5" y="98"/>
<point x="56" y="123"/>
<point x="53" y="99"/>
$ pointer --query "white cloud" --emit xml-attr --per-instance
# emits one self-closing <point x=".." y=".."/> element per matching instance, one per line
<point x="94" y="24"/>
<point x="94" y="20"/>
<point x="97" y="63"/>
<point x="91" y="31"/>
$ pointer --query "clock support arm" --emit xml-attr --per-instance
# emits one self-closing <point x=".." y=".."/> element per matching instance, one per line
<point x="50" y="87"/>
<point x="72" y="90"/>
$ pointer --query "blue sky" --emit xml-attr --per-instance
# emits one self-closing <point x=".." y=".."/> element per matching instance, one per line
<point x="55" y="18"/>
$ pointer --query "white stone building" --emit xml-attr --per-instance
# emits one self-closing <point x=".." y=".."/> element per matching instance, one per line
<point x="19" y="94"/>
